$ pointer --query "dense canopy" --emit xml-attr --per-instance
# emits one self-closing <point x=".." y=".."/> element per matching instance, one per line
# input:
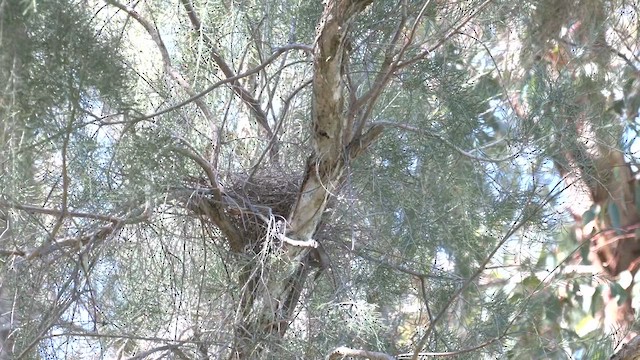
<point x="271" y="179"/>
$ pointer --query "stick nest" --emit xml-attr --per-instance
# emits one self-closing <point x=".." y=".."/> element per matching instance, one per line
<point x="267" y="195"/>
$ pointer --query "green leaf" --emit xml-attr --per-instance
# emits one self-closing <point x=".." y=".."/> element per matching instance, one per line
<point x="597" y="303"/>
<point x="531" y="282"/>
<point x="589" y="215"/>
<point x="618" y="292"/>
<point x="584" y="253"/>
<point x="614" y="216"/>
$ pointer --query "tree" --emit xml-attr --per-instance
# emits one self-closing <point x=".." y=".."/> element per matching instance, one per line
<point x="264" y="179"/>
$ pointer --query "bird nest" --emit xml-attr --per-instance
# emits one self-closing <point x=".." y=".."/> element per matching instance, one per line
<point x="255" y="204"/>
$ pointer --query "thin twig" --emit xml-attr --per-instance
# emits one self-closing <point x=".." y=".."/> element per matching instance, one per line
<point x="56" y="212"/>
<point x="216" y="85"/>
<point x="522" y="219"/>
<point x="444" y="141"/>
<point x="173" y="73"/>
<point x="445" y="38"/>
<point x="65" y="178"/>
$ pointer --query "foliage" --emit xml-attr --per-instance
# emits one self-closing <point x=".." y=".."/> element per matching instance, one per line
<point x="150" y="174"/>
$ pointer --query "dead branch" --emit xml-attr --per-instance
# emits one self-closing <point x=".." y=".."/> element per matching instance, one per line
<point x="342" y="351"/>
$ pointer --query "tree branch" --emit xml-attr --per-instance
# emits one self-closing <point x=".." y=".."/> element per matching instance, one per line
<point x="65" y="178"/>
<point x="456" y="352"/>
<point x="388" y="68"/>
<point x="522" y="219"/>
<point x="274" y="307"/>
<point x="56" y="212"/>
<point x="216" y="85"/>
<point x="173" y="73"/>
<point x="629" y="351"/>
<point x="117" y="223"/>
<point x="447" y="36"/>
<point x="342" y="351"/>
<point x="245" y="96"/>
<point x="212" y="209"/>
<point x="65" y="243"/>
<point x="464" y="153"/>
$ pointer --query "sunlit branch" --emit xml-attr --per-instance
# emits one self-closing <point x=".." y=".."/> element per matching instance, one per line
<point x="343" y="351"/>
<point x="173" y="73"/>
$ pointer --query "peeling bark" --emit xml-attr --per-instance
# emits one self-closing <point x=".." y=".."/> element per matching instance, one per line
<point x="271" y="295"/>
<point x="602" y="189"/>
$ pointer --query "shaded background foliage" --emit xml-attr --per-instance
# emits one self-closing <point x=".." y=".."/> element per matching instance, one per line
<point x="483" y="134"/>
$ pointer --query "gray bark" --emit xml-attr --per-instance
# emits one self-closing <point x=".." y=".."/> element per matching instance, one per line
<point x="271" y="296"/>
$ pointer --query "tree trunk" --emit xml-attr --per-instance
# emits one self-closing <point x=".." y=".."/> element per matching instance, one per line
<point x="273" y="285"/>
<point x="602" y="193"/>
<point x="605" y="183"/>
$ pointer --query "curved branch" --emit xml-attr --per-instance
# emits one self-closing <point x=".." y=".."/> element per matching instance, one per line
<point x="192" y="154"/>
<point x="173" y="73"/>
<point x="212" y="209"/>
<point x="245" y="96"/>
<point x="217" y="84"/>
